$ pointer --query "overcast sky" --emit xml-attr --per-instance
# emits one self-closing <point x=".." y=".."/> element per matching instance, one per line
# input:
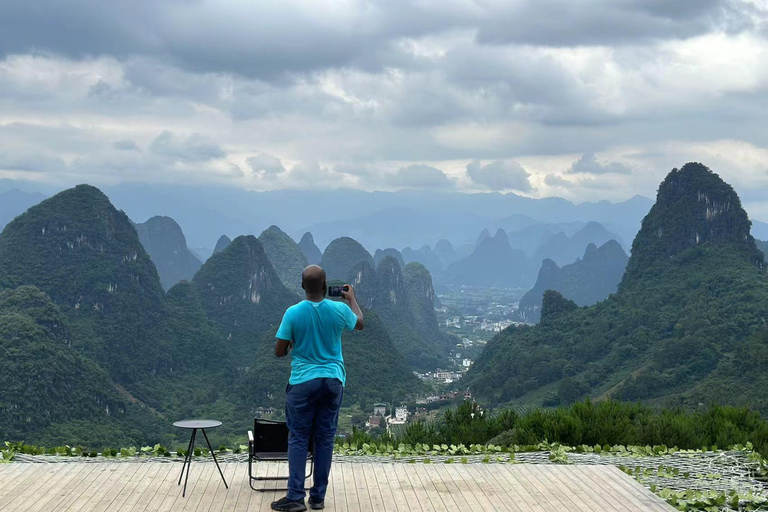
<point x="584" y="99"/>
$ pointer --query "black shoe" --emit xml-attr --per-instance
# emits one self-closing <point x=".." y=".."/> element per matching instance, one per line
<point x="287" y="505"/>
<point x="316" y="504"/>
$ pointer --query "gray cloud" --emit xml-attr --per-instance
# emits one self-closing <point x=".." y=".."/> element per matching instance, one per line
<point x="265" y="164"/>
<point x="554" y="180"/>
<point x="588" y="164"/>
<point x="379" y="84"/>
<point x="125" y="145"/>
<point x="500" y="175"/>
<point x="26" y="161"/>
<point x="596" y="22"/>
<point x="420" y="176"/>
<point x="194" y="148"/>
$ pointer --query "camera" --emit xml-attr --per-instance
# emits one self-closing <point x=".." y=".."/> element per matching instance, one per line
<point x="335" y="291"/>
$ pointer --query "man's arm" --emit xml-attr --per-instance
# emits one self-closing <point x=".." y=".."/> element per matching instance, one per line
<point x="350" y="296"/>
<point x="281" y="347"/>
<point x="284" y="335"/>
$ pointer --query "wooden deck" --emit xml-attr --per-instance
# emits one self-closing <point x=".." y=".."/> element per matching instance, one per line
<point x="140" y="487"/>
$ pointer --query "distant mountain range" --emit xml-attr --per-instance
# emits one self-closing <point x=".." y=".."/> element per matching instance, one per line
<point x="586" y="281"/>
<point x="96" y="353"/>
<point x="686" y="326"/>
<point x="493" y="263"/>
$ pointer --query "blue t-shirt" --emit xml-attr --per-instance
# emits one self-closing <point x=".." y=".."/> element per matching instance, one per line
<point x="315" y="329"/>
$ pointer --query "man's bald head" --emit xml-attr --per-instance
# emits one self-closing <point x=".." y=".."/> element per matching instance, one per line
<point x="313" y="280"/>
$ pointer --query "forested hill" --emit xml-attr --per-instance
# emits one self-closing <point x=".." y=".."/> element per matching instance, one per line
<point x="342" y="255"/>
<point x="111" y="320"/>
<point x="242" y="293"/>
<point x="166" y="245"/>
<point x="94" y="352"/>
<point x="686" y="326"/>
<point x="588" y="280"/>
<point x="404" y="300"/>
<point x="286" y="256"/>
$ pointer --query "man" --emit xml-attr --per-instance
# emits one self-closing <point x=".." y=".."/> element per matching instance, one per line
<point x="313" y="397"/>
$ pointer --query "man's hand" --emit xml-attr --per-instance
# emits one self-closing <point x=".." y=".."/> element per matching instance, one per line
<point x="350" y="296"/>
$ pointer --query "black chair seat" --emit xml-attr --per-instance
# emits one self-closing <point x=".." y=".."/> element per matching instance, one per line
<point x="268" y="442"/>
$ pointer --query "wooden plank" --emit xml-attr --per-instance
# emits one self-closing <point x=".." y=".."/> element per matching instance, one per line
<point x="261" y="501"/>
<point x="590" y="494"/>
<point x="368" y="474"/>
<point x="37" y="490"/>
<point x="91" y="492"/>
<point x="32" y="490"/>
<point x="55" y="493"/>
<point x="213" y="484"/>
<point x="617" y="497"/>
<point x="198" y="482"/>
<point x="217" y="499"/>
<point x="353" y="501"/>
<point x="446" y="495"/>
<point x="112" y="486"/>
<point x="502" y="488"/>
<point x="650" y="500"/>
<point x="554" y="482"/>
<point x="473" y="493"/>
<point x="385" y="488"/>
<point x="96" y="474"/>
<point x="158" y="473"/>
<point x="240" y="487"/>
<point x="584" y="498"/>
<point x="420" y="488"/>
<point x="363" y="494"/>
<point x="84" y="478"/>
<point x="153" y="502"/>
<point x="339" y="491"/>
<point x="465" y="496"/>
<point x="536" y="490"/>
<point x="397" y="475"/>
<point x="118" y="498"/>
<point x="28" y="480"/>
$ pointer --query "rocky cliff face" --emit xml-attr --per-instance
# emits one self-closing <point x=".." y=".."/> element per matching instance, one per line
<point x="694" y="209"/>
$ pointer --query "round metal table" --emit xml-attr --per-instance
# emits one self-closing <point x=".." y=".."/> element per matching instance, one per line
<point x="194" y="426"/>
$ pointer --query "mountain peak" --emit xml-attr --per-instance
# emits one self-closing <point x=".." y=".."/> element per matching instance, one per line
<point x="310" y="250"/>
<point x="222" y="244"/>
<point x="554" y="304"/>
<point x="694" y="208"/>
<point x="342" y="256"/>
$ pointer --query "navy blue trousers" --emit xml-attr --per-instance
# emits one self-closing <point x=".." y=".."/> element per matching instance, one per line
<point x="311" y="409"/>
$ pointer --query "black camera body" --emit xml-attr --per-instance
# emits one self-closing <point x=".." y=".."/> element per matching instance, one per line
<point x="335" y="291"/>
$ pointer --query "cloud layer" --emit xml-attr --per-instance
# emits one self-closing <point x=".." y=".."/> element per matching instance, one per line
<point x="589" y="100"/>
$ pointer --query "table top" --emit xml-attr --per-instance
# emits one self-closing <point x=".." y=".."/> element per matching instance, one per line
<point x="197" y="424"/>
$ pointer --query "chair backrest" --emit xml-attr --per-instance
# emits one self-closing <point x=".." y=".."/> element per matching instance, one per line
<point x="272" y="436"/>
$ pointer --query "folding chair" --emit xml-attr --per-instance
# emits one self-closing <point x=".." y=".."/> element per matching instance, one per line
<point x="269" y="442"/>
